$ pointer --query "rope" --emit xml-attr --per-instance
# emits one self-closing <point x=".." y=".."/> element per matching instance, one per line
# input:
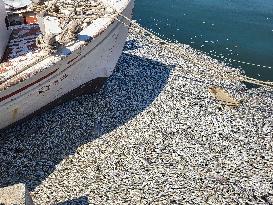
<point x="177" y="50"/>
<point x="172" y="47"/>
<point x="155" y="39"/>
<point x="237" y="61"/>
<point x="220" y="56"/>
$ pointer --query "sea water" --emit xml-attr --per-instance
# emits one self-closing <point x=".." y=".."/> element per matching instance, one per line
<point x="240" y="30"/>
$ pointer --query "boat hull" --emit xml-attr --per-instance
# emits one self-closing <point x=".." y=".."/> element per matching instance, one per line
<point x="91" y="63"/>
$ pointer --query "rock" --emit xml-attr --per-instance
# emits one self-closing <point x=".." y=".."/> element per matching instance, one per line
<point x="16" y="194"/>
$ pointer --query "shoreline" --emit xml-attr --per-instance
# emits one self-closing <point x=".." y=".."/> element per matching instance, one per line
<point x="153" y="134"/>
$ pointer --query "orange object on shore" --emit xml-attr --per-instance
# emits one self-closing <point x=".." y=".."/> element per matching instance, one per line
<point x="31" y="19"/>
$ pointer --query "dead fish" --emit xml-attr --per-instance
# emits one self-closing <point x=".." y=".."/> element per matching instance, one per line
<point x="224" y="97"/>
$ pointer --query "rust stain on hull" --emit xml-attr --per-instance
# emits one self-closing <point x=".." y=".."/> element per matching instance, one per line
<point x="14" y="114"/>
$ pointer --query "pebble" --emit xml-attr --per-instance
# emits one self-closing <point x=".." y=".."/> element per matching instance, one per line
<point x="152" y="135"/>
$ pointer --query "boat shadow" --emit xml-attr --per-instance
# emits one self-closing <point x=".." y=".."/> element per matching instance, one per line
<point x="30" y="151"/>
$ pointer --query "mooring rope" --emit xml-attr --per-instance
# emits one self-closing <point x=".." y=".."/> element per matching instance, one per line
<point x="213" y="53"/>
<point x="176" y="49"/>
<point x="221" y="56"/>
<point x="172" y="47"/>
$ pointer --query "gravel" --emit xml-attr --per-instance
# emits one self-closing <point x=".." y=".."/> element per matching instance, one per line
<point x="152" y="135"/>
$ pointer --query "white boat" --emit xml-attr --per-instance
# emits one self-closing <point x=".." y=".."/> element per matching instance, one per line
<point x="36" y="73"/>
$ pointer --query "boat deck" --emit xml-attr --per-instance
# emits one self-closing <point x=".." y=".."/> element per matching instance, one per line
<point x="21" y="47"/>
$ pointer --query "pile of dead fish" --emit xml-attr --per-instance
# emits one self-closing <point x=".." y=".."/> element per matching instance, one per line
<point x="153" y="135"/>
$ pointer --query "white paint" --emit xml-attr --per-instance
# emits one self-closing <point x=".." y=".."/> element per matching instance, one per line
<point x="50" y="24"/>
<point x="4" y="32"/>
<point x="17" y="3"/>
<point x="97" y="59"/>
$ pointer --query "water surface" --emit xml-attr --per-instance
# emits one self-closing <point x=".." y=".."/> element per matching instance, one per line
<point x="236" y="29"/>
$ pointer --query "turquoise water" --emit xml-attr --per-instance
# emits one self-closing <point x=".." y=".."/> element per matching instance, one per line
<point x="236" y="29"/>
